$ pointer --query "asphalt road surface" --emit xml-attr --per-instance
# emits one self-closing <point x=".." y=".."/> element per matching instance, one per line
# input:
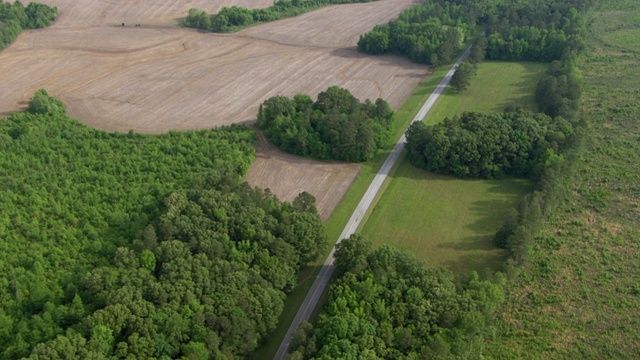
<point x="322" y="280"/>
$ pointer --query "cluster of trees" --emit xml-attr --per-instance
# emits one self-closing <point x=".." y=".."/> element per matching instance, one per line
<point x="105" y="253"/>
<point x="517" y="30"/>
<point x="429" y="33"/>
<point x="535" y="31"/>
<point x="234" y="18"/>
<point x="468" y="68"/>
<point x="386" y="304"/>
<point x="207" y="280"/>
<point x="15" y="17"/>
<point x="479" y="145"/>
<point x="336" y="126"/>
<point x="559" y="91"/>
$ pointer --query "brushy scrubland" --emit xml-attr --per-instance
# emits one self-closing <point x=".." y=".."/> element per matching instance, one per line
<point x="579" y="297"/>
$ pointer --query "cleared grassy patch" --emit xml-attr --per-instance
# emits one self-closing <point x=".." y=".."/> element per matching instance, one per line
<point x="448" y="221"/>
<point x="445" y="220"/>
<point x="497" y="85"/>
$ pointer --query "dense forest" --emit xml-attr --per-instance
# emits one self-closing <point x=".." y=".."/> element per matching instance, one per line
<point x="235" y="18"/>
<point x="15" y="18"/>
<point x="386" y="304"/>
<point x="429" y="33"/>
<point x="478" y="145"/>
<point x="520" y="30"/>
<point x="336" y="126"/>
<point x="142" y="246"/>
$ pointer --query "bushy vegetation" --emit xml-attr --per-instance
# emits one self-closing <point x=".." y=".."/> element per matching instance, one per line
<point x="15" y="17"/>
<point x="558" y="92"/>
<point x="386" y="304"/>
<point x="235" y="18"/>
<point x="132" y="245"/>
<point x="336" y="126"/>
<point x="477" y="145"/>
<point x="461" y="78"/>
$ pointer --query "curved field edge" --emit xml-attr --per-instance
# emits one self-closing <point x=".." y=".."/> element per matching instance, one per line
<point x="580" y="298"/>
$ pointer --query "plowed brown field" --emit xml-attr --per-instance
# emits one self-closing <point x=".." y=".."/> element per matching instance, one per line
<point x="157" y="77"/>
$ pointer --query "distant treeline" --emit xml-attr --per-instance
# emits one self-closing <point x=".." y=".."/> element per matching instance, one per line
<point x="521" y="30"/>
<point x="430" y="33"/>
<point x="336" y="126"/>
<point x="15" y="18"/>
<point x="386" y="304"/>
<point x="235" y="18"/>
<point x="123" y="245"/>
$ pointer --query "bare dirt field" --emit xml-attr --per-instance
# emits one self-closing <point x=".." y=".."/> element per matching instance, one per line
<point x="157" y="77"/>
<point x="287" y="176"/>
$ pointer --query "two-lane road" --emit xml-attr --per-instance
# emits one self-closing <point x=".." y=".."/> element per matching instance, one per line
<point x="324" y="276"/>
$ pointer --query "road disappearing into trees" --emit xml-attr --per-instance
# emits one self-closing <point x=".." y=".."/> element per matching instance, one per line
<point x="322" y="280"/>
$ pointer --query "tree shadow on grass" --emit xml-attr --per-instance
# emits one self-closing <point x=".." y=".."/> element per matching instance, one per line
<point x="470" y="243"/>
<point x="463" y="265"/>
<point x="521" y="94"/>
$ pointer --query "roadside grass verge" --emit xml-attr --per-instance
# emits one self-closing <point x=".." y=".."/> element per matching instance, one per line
<point x="580" y="296"/>
<point x="445" y="220"/>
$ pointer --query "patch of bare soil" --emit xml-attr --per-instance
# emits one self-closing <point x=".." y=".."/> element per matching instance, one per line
<point x="288" y="175"/>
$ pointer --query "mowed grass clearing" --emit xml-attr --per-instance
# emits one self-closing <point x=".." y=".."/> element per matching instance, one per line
<point x="448" y="221"/>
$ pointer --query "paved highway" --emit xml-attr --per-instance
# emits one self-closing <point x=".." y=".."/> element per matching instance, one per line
<point x="324" y="276"/>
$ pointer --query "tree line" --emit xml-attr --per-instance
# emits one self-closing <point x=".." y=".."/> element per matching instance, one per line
<point x="431" y="32"/>
<point x="336" y="126"/>
<point x="386" y="304"/>
<point x="139" y="246"/>
<point x="235" y="18"/>
<point x="16" y="17"/>
<point x="479" y="145"/>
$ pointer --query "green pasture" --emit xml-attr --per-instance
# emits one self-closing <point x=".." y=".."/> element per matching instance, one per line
<point x="497" y="85"/>
<point x="617" y="25"/>
<point x="445" y="220"/>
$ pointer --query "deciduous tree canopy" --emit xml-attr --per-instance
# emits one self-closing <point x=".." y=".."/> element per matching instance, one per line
<point x="15" y="18"/>
<point x="481" y="145"/>
<point x="517" y="30"/>
<point x="386" y="304"/>
<point x="105" y="253"/>
<point x="336" y="126"/>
